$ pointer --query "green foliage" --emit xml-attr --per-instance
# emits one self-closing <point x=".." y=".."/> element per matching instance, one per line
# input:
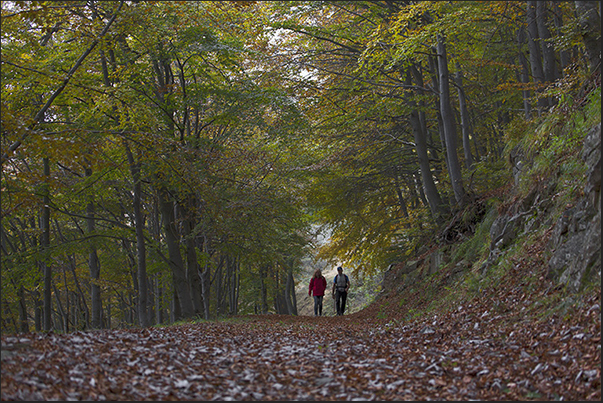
<point x="554" y="142"/>
<point x="489" y="175"/>
<point x="475" y="249"/>
<point x="258" y="121"/>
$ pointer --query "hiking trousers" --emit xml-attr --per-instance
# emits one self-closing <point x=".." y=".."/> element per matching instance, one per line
<point x="318" y="305"/>
<point x="340" y="299"/>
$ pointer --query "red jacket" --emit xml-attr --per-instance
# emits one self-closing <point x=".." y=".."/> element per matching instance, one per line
<point x="318" y="285"/>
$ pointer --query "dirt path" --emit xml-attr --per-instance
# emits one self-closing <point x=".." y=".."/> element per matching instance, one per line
<point x="469" y="354"/>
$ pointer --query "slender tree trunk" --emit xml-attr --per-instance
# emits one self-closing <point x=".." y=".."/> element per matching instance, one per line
<point x="82" y="297"/>
<point x="47" y="267"/>
<point x="205" y="276"/>
<point x="564" y="56"/>
<point x="290" y="292"/>
<point x="434" y="200"/>
<point x="68" y="307"/>
<point x="535" y="53"/>
<point x="233" y="289"/>
<point x="38" y="311"/>
<point x="155" y="230"/>
<point x="401" y="200"/>
<point x="263" y="290"/>
<point x="219" y="286"/>
<point x="23" y="322"/>
<point x="589" y="16"/>
<point x="141" y="255"/>
<point x="549" y="67"/>
<point x="172" y="239"/>
<point x="525" y="74"/>
<point x="454" y="168"/>
<point x="159" y="316"/>
<point x="465" y="120"/>
<point x="193" y="268"/>
<point x="93" y="265"/>
<point x="433" y="67"/>
<point x="418" y="190"/>
<point x="417" y="74"/>
<point x="62" y="322"/>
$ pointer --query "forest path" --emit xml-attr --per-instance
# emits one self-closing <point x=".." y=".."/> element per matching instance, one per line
<point x="464" y="355"/>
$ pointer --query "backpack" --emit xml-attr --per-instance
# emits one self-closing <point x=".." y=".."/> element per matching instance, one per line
<point x="341" y="282"/>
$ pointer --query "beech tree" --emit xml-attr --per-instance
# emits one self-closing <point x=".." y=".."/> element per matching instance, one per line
<point x="166" y="160"/>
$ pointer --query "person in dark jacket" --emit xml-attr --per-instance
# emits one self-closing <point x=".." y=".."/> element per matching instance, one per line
<point x="318" y="285"/>
<point x="341" y="285"/>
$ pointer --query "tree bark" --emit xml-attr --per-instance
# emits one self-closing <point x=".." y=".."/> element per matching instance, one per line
<point x="535" y="53"/>
<point x="192" y="266"/>
<point x="564" y="55"/>
<point x="47" y="268"/>
<point x="81" y="295"/>
<point x="454" y="168"/>
<point x="290" y="292"/>
<point x="524" y="76"/>
<point x="205" y="278"/>
<point x="263" y="290"/>
<point x="590" y="22"/>
<point x="23" y="322"/>
<point x="433" y="67"/>
<point x="141" y="255"/>
<point x="465" y="120"/>
<point x="93" y="266"/>
<point x="172" y="239"/>
<point x="549" y="67"/>
<point x="434" y="200"/>
<point x="233" y="293"/>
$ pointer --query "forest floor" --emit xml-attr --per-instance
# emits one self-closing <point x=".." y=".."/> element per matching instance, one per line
<point x="505" y="344"/>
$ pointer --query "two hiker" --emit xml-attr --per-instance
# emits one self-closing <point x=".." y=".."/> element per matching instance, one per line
<point x="339" y="291"/>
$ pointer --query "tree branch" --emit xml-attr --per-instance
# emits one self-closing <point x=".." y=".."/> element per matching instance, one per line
<point x="40" y="115"/>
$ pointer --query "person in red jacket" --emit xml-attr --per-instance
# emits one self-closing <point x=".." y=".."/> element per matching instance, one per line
<point x="318" y="285"/>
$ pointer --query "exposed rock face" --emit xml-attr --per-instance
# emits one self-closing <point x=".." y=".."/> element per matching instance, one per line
<point x="576" y="240"/>
<point x="573" y="249"/>
<point x="575" y="244"/>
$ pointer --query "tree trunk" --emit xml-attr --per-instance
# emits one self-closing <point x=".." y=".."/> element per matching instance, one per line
<point x="68" y="307"/>
<point x="290" y="292"/>
<point x="590" y="21"/>
<point x="401" y="200"/>
<point x="434" y="200"/>
<point x="62" y="322"/>
<point x="46" y="266"/>
<point x="192" y="266"/>
<point x="219" y="287"/>
<point x="564" y="56"/>
<point x="172" y="239"/>
<point x="549" y="66"/>
<point x="233" y="293"/>
<point x="524" y="76"/>
<point x="535" y="53"/>
<point x="465" y="120"/>
<point x="82" y="297"/>
<point x="433" y="67"/>
<point x="23" y="323"/>
<point x="93" y="265"/>
<point x="454" y="168"/>
<point x="205" y="279"/>
<point x="141" y="255"/>
<point x="263" y="290"/>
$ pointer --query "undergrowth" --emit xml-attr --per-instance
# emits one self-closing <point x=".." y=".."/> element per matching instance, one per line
<point x="552" y="146"/>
